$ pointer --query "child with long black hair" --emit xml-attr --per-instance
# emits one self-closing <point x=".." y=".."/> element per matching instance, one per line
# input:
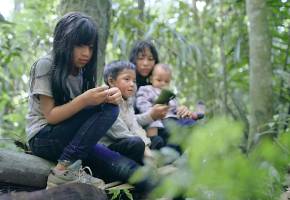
<point x="145" y="56"/>
<point x="68" y="113"/>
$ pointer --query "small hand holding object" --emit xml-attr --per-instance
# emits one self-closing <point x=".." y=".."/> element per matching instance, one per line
<point x="95" y="96"/>
<point x="159" y="111"/>
<point x="183" y="112"/>
<point x="114" y="96"/>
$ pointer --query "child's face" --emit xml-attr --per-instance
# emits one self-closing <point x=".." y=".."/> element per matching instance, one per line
<point x="145" y="62"/>
<point x="160" y="78"/>
<point x="125" y="81"/>
<point x="82" y="55"/>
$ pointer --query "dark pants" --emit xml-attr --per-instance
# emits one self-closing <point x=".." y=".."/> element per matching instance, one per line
<point x="157" y="142"/>
<point x="73" y="138"/>
<point x="112" y="166"/>
<point x="132" y="147"/>
<point x="77" y="137"/>
<point x="161" y="140"/>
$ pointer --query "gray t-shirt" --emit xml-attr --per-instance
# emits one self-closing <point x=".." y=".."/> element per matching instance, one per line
<point x="40" y="84"/>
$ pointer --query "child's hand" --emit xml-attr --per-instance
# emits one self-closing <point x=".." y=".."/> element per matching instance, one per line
<point x="159" y="111"/>
<point x="197" y="116"/>
<point x="114" y="96"/>
<point x="194" y="115"/>
<point x="183" y="112"/>
<point x="95" y="96"/>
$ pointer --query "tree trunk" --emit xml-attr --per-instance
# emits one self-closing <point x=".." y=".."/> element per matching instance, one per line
<point x="261" y="109"/>
<point x="141" y="5"/>
<point x="17" y="5"/>
<point x="70" y="191"/>
<point x="99" y="10"/>
<point x="203" y="89"/>
<point x="223" y="62"/>
<point x="23" y="169"/>
<point x="283" y="112"/>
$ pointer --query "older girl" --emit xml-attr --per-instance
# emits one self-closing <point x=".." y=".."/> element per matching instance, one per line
<point x="68" y="113"/>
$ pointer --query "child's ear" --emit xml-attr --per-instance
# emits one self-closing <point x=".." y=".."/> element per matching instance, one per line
<point x="111" y="82"/>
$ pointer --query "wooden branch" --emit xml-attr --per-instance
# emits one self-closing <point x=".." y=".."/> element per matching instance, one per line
<point x="70" y="191"/>
<point x="23" y="169"/>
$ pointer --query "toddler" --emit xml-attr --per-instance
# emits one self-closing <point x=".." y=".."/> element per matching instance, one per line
<point x="147" y="95"/>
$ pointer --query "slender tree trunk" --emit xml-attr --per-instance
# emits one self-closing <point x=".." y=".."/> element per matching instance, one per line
<point x="141" y="5"/>
<point x="223" y="63"/>
<point x="100" y="10"/>
<point x="204" y="90"/>
<point x="261" y="109"/>
<point x="195" y="12"/>
<point x="224" y="73"/>
<point x="17" y="5"/>
<point x="199" y="66"/>
<point x="284" y="119"/>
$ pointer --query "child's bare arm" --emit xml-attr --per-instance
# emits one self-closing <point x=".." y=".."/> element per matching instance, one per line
<point x="157" y="112"/>
<point x="55" y="114"/>
<point x="152" y="131"/>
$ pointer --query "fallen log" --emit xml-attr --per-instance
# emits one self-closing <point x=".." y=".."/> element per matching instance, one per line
<point x="23" y="169"/>
<point x="22" y="173"/>
<point x="70" y="191"/>
<point x="26" y="172"/>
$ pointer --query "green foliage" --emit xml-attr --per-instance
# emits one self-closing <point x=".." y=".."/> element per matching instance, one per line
<point x="217" y="168"/>
<point x="190" y="40"/>
<point x="116" y="194"/>
<point x="280" y="29"/>
<point x="22" y="42"/>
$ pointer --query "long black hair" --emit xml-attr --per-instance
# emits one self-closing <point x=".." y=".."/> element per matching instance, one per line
<point x="73" y="29"/>
<point x="139" y="47"/>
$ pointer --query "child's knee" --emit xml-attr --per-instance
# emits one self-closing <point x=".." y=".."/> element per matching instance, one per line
<point x="157" y="142"/>
<point x="137" y="143"/>
<point x="112" y="110"/>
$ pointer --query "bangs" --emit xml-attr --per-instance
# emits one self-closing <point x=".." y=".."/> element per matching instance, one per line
<point x="142" y="47"/>
<point x="147" y="45"/>
<point x="86" y="33"/>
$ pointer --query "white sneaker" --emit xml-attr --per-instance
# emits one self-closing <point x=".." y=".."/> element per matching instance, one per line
<point x="73" y="174"/>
